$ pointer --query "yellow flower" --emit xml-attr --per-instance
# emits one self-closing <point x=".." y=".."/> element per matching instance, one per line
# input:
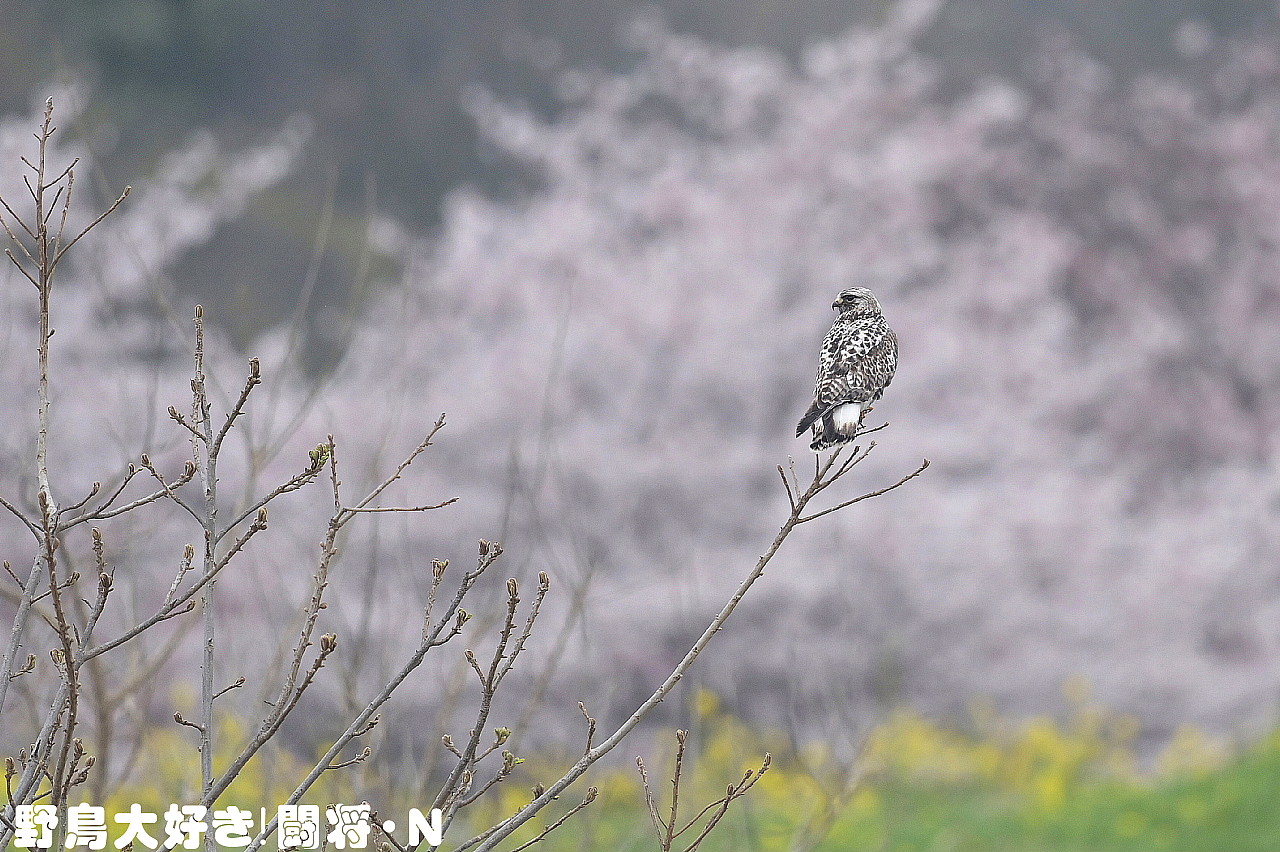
<point x="1051" y="791"/>
<point x="866" y="800"/>
<point x="1192" y="751"/>
<point x="706" y="703"/>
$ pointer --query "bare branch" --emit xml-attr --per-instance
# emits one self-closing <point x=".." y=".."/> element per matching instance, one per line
<point x="428" y="508"/>
<point x="359" y="758"/>
<point x="255" y="379"/>
<point x="21" y="224"/>
<point x="300" y="480"/>
<point x="65" y="173"/>
<point x="128" y="476"/>
<point x="236" y="684"/>
<point x="591" y="726"/>
<point x="820" y="482"/>
<point x="791" y="498"/>
<point x="587" y="800"/>
<point x="400" y="469"/>
<point x="910" y="476"/>
<point x="659" y="824"/>
<point x="177" y="717"/>
<point x="489" y="553"/>
<point x="93" y="492"/>
<point x="721" y="806"/>
<point x="21" y="268"/>
<point x="62" y="252"/>
<point x="17" y="513"/>
<point x="166" y="490"/>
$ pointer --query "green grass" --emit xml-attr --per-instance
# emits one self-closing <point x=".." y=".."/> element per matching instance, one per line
<point x="987" y="783"/>
<point x="1232" y="808"/>
<point x="1070" y="786"/>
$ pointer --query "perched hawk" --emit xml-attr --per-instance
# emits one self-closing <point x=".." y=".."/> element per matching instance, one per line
<point x="859" y="356"/>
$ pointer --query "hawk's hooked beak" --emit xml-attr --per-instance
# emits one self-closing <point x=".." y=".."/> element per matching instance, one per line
<point x="835" y="306"/>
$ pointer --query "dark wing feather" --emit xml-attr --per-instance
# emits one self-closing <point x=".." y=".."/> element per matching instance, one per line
<point x="858" y="360"/>
<point x="832" y="366"/>
<point x="878" y="366"/>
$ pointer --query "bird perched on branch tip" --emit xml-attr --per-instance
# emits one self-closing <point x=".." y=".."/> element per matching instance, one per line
<point x="858" y="359"/>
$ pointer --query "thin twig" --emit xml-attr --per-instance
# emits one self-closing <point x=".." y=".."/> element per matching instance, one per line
<point x="821" y="481"/>
<point x="587" y="800"/>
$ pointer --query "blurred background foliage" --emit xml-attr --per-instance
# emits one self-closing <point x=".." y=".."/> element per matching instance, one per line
<point x="383" y="81"/>
<point x="165" y="65"/>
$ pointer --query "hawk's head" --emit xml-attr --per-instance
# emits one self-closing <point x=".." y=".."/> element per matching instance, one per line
<point x="856" y="300"/>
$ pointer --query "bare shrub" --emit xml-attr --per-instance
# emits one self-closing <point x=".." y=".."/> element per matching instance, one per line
<point x="60" y="613"/>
